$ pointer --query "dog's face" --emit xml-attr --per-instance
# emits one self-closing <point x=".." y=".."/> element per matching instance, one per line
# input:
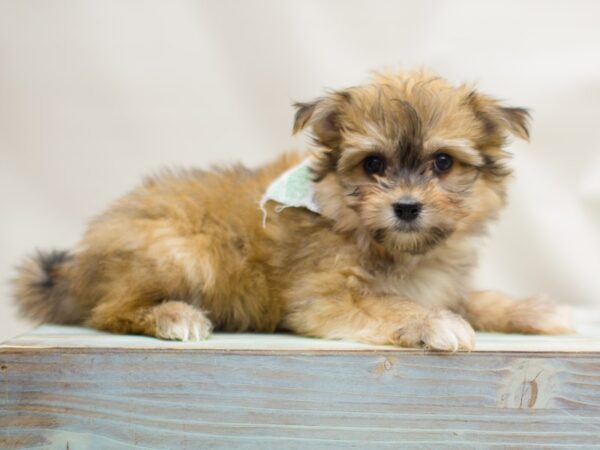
<point x="410" y="159"/>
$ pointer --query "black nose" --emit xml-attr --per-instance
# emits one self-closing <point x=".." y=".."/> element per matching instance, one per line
<point x="407" y="210"/>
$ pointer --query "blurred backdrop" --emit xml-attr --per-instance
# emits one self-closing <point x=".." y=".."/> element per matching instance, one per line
<point x="94" y="94"/>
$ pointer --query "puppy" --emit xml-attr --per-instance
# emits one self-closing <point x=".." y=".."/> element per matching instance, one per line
<point x="406" y="175"/>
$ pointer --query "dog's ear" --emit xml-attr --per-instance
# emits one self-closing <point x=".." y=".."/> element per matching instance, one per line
<point x="304" y="112"/>
<point x="517" y="121"/>
<point x="498" y="117"/>
<point x="322" y="116"/>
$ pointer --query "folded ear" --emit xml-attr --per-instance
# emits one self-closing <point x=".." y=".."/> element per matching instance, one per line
<point x="496" y="116"/>
<point x="323" y="117"/>
<point x="517" y="121"/>
<point x="304" y="112"/>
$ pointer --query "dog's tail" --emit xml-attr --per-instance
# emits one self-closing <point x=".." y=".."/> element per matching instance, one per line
<point x="42" y="288"/>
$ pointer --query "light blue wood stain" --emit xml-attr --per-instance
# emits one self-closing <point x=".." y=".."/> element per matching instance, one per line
<point x="74" y="388"/>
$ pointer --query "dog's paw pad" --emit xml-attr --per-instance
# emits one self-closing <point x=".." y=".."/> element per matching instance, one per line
<point x="179" y="321"/>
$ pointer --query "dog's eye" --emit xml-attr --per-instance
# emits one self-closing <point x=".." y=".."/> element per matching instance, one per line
<point x="442" y="162"/>
<point x="374" y="165"/>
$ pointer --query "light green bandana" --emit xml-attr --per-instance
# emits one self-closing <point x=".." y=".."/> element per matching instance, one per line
<point x="293" y="188"/>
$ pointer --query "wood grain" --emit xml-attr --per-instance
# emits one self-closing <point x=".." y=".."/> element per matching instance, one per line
<point x="289" y="393"/>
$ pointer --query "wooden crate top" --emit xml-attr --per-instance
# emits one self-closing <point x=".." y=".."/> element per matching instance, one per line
<point x="71" y="387"/>
<point x="586" y="340"/>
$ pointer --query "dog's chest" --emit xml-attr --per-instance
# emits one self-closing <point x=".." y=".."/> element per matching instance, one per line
<point x="429" y="283"/>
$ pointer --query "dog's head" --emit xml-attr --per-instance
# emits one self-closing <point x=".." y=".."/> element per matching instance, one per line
<point x="409" y="158"/>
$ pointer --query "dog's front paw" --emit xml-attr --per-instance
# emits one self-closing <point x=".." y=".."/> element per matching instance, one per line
<point x="539" y="315"/>
<point x="439" y="330"/>
<point x="180" y="321"/>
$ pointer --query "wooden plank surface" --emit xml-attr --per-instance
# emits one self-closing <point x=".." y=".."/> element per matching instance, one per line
<point x="49" y="337"/>
<point x="73" y="388"/>
<point x="587" y="339"/>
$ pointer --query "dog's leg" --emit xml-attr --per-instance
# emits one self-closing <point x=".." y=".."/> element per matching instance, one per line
<point x="380" y="320"/>
<point x="171" y="319"/>
<point x="494" y="311"/>
<point x="156" y="287"/>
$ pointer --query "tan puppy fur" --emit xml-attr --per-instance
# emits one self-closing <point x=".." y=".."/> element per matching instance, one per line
<point x="187" y="251"/>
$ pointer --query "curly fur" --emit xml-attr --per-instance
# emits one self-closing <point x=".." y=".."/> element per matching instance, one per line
<point x="187" y="251"/>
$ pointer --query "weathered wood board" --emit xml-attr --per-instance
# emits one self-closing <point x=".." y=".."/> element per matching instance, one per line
<point x="73" y="388"/>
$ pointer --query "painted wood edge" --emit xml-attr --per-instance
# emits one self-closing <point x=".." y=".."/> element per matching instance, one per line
<point x="297" y="352"/>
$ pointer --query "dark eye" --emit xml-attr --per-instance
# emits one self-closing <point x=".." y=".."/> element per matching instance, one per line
<point x="374" y="165"/>
<point x="442" y="162"/>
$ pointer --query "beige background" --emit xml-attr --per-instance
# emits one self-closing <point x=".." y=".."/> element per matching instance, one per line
<point x="95" y="94"/>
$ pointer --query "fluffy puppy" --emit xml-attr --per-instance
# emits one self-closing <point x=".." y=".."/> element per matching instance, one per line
<point x="407" y="172"/>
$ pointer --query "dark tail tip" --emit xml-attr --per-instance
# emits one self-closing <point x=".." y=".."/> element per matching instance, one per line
<point x="41" y="288"/>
